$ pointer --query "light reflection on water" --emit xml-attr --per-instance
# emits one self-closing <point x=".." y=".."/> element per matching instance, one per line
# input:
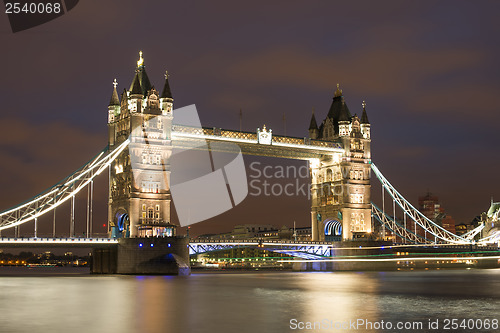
<point x="246" y="302"/>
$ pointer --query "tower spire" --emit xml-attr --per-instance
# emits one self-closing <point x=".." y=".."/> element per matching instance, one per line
<point x="313" y="124"/>
<point x="338" y="92"/>
<point x="313" y="127"/>
<point x="142" y="76"/>
<point x="166" y="99"/>
<point x="166" y="93"/>
<point x="364" y="116"/>
<point x="140" y="62"/>
<point x="114" y="96"/>
<point x="135" y="88"/>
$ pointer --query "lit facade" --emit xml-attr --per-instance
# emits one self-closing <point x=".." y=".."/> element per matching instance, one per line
<point x="491" y="220"/>
<point x="340" y="183"/>
<point x="139" y="192"/>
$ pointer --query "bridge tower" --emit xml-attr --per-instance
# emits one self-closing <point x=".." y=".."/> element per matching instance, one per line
<point x="139" y="193"/>
<point x="340" y="183"/>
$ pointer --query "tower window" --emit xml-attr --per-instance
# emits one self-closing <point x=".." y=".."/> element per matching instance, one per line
<point x="357" y="198"/>
<point x="150" y="187"/>
<point x="157" y="207"/>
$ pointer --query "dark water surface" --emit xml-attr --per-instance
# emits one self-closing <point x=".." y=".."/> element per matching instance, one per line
<point x="38" y="300"/>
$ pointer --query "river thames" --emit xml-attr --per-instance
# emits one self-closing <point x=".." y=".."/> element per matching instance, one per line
<point x="38" y="300"/>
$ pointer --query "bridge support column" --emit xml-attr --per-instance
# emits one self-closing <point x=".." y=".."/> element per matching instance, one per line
<point x="314" y="227"/>
<point x="163" y="256"/>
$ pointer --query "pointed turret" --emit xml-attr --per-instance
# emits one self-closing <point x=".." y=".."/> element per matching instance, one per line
<point x="338" y="108"/>
<point x="313" y="124"/>
<point x="115" y="100"/>
<point x="365" y="124"/>
<point x="166" y="93"/>
<point x="344" y="119"/>
<point x="114" y="104"/>
<point x="313" y="127"/>
<point x="135" y="87"/>
<point x="136" y="93"/>
<point x="344" y="115"/>
<point x="364" y="116"/>
<point x="142" y="77"/>
<point x="166" y="99"/>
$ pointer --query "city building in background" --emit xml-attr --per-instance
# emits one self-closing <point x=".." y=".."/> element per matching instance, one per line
<point x="262" y="231"/>
<point x="430" y="206"/>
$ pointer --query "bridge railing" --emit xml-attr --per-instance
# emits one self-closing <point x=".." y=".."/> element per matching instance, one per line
<point x="252" y="137"/>
<point x="257" y="240"/>
<point x="53" y="240"/>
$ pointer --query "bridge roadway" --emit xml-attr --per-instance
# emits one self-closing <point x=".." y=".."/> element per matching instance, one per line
<point x="67" y="242"/>
<point x="306" y="250"/>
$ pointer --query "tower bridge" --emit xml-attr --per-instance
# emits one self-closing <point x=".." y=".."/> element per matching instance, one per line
<point x="142" y="135"/>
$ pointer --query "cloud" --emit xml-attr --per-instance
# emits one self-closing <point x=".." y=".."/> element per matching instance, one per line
<point x="375" y="71"/>
<point x="34" y="157"/>
<point x="237" y="100"/>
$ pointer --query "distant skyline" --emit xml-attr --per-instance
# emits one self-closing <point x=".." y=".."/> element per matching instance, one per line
<point x="429" y="73"/>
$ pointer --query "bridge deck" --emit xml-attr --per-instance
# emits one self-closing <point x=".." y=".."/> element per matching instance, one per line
<point x="6" y="242"/>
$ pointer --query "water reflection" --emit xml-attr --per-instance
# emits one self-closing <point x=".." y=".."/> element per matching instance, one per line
<point x="248" y="302"/>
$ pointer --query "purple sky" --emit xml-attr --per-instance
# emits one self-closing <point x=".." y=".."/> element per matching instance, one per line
<point x="429" y="73"/>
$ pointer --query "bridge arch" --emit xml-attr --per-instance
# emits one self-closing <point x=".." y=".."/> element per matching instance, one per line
<point x="332" y="230"/>
<point x="121" y="224"/>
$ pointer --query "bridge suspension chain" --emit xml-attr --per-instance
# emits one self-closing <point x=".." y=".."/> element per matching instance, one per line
<point x="425" y="223"/>
<point x="396" y="228"/>
<point x="61" y="192"/>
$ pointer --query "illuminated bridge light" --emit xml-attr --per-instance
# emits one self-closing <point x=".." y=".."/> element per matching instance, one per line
<point x="140" y="244"/>
<point x="152" y="244"/>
